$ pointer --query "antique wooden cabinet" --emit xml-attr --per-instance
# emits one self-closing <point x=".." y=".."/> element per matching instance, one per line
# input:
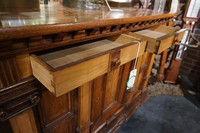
<point x="65" y="70"/>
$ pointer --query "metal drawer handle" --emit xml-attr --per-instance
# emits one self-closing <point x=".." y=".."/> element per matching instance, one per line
<point x="191" y="46"/>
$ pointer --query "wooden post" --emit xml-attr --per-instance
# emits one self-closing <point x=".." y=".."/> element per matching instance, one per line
<point x="148" y="72"/>
<point x="161" y="70"/>
<point x="24" y="122"/>
<point x="84" y="108"/>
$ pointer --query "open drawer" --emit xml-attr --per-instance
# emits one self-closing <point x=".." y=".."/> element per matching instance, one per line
<point x="64" y="70"/>
<point x="160" y="37"/>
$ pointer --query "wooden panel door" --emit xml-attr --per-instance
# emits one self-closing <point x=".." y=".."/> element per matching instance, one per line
<point x="57" y="114"/>
<point x="24" y="122"/>
<point x="107" y="97"/>
<point x="112" y="104"/>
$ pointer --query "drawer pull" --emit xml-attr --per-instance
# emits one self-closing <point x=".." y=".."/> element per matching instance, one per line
<point x="116" y="62"/>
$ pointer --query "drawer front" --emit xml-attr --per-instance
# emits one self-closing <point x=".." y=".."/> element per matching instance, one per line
<point x="129" y="53"/>
<point x="159" y="38"/>
<point x="65" y="80"/>
<point x="77" y="75"/>
<point x="179" y="35"/>
<point x="70" y="76"/>
<point x="165" y="44"/>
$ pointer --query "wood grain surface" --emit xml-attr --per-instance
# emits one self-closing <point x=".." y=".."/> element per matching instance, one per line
<point x="54" y="18"/>
<point x="64" y="70"/>
<point x="24" y="123"/>
<point x="159" y="37"/>
<point x="93" y="102"/>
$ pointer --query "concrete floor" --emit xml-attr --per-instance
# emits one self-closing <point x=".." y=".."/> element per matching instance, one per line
<point x="164" y="114"/>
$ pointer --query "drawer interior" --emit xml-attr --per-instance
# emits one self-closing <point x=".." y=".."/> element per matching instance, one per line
<point x="164" y="29"/>
<point x="159" y="37"/>
<point x="67" y="57"/>
<point x="157" y="32"/>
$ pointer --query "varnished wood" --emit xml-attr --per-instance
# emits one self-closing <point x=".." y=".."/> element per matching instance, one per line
<point x="142" y="71"/>
<point x="65" y="30"/>
<point x="9" y="73"/>
<point x="96" y="105"/>
<point x="148" y="72"/>
<point x="114" y="61"/>
<point x="17" y="98"/>
<point x="71" y="19"/>
<point x="68" y="56"/>
<point x="173" y="70"/>
<point x="110" y="100"/>
<point x="111" y="88"/>
<point x="135" y="88"/>
<point x="165" y="44"/>
<point x="5" y="127"/>
<point x="52" y="107"/>
<point x="84" y="110"/>
<point x="97" y="97"/>
<point x="159" y="38"/>
<point x="58" y="70"/>
<point x="47" y="81"/>
<point x="27" y="120"/>
<point x="23" y="63"/>
<point x="133" y="105"/>
<point x="14" y="69"/>
<point x="161" y="72"/>
<point x="71" y="56"/>
<point x="48" y="40"/>
<point x="57" y="114"/>
<point x="14" y="6"/>
<point x="170" y="23"/>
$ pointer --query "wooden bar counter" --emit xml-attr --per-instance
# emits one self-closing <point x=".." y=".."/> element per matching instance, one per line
<point x="88" y="91"/>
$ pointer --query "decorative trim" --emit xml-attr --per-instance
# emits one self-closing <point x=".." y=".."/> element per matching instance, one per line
<point x="38" y="43"/>
<point x="59" y="121"/>
<point x="81" y="130"/>
<point x="18" y="98"/>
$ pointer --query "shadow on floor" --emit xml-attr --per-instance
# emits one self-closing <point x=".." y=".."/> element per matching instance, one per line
<point x="194" y="99"/>
<point x="164" y="114"/>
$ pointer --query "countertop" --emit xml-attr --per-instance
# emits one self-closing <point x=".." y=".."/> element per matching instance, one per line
<point x="54" y="18"/>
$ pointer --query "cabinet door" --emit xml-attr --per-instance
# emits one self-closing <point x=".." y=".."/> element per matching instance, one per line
<point x="107" y="98"/>
<point x="57" y="114"/>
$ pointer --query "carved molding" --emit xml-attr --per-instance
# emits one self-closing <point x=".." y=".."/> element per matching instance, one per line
<point x="81" y="130"/>
<point x="67" y="117"/>
<point x="18" y="98"/>
<point x="38" y="43"/>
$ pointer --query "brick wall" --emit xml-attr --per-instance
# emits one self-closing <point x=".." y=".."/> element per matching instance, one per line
<point x="190" y="66"/>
